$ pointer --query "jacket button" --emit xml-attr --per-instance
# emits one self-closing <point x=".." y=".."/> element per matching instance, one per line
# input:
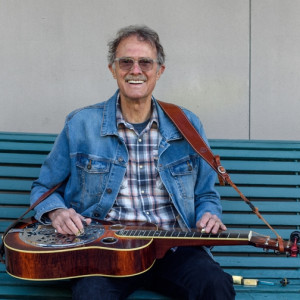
<point x="96" y="215"/>
<point x="108" y="191"/>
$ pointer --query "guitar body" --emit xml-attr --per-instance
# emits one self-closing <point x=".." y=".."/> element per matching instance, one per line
<point x="108" y="255"/>
<point x="36" y="252"/>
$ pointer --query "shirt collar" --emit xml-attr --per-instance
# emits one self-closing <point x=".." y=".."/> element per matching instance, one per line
<point x="153" y="118"/>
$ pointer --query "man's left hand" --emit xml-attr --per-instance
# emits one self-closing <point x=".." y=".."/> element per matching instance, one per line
<point x="211" y="223"/>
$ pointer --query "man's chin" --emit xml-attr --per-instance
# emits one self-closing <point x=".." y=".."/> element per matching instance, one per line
<point x="135" y="96"/>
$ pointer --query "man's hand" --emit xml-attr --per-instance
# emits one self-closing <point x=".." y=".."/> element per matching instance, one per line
<point x="67" y="221"/>
<point x="211" y="223"/>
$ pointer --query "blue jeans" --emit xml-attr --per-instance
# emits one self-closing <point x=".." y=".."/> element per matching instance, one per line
<point x="188" y="273"/>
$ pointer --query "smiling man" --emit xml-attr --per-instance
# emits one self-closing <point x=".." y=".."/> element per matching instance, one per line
<point x="136" y="70"/>
<point x="123" y="160"/>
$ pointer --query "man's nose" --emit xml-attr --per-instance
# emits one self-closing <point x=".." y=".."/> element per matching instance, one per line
<point x="136" y="68"/>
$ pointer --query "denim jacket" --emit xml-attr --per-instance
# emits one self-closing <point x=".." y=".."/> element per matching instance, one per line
<point x="91" y="158"/>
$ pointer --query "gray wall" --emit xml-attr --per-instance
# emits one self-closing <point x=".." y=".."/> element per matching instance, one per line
<point x="235" y="63"/>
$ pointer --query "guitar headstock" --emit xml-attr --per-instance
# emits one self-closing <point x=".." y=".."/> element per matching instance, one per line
<point x="290" y="247"/>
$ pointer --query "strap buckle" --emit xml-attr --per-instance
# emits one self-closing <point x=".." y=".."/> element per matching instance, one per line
<point x="221" y="170"/>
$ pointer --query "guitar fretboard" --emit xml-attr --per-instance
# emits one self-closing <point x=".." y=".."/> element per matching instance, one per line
<point x="232" y="235"/>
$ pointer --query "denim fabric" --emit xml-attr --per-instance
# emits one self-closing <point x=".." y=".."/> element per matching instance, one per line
<point x="93" y="158"/>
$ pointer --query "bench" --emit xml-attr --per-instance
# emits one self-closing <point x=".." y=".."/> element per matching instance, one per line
<point x="267" y="172"/>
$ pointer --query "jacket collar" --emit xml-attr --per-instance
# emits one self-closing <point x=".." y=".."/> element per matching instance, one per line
<point x="109" y="127"/>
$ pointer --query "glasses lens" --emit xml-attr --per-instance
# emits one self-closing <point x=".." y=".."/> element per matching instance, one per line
<point x="126" y="63"/>
<point x="146" y="64"/>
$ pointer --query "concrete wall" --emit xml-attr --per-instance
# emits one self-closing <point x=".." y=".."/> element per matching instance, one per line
<point x="236" y="63"/>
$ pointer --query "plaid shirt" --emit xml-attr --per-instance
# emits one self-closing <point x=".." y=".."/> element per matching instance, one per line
<point x="142" y="195"/>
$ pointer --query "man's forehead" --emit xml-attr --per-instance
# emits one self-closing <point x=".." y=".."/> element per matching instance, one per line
<point x="135" y="41"/>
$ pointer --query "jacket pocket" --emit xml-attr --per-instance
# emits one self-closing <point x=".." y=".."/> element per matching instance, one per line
<point x="184" y="174"/>
<point x="93" y="173"/>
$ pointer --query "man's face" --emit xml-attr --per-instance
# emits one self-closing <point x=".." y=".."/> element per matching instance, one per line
<point x="136" y="84"/>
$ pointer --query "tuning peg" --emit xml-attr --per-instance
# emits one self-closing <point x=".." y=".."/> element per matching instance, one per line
<point x="295" y="235"/>
<point x="294" y="248"/>
<point x="277" y="252"/>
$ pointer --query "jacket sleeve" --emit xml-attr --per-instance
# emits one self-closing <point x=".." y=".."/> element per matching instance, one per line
<point x="55" y="169"/>
<point x="207" y="199"/>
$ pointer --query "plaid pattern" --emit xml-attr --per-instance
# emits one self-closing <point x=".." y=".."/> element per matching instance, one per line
<point x="142" y="196"/>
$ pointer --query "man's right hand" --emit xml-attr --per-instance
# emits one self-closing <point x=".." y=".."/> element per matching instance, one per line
<point x="68" y="221"/>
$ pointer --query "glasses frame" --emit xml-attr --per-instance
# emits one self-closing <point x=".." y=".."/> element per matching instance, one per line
<point x="138" y="61"/>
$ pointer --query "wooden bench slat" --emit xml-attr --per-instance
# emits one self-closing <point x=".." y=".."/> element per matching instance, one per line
<point x="260" y="166"/>
<point x="275" y="262"/>
<point x="266" y="179"/>
<point x="261" y="192"/>
<point x="3" y="226"/>
<point x="13" y="212"/>
<point x="33" y="137"/>
<point x="25" y="147"/>
<point x="14" y="199"/>
<point x="258" y="154"/>
<point x="37" y="292"/>
<point x="263" y="206"/>
<point x="22" y="158"/>
<point x="17" y="171"/>
<point x="254" y="144"/>
<point x="15" y="185"/>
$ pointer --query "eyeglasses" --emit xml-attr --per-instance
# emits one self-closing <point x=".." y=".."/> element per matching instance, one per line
<point x="127" y="63"/>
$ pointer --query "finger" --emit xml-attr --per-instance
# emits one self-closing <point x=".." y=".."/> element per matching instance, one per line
<point x="215" y="225"/>
<point x="79" y="222"/>
<point x="66" y="221"/>
<point x="85" y="221"/>
<point x="223" y="226"/>
<point x="204" y="220"/>
<point x="210" y="225"/>
<point x="73" y="225"/>
<point x="58" y="229"/>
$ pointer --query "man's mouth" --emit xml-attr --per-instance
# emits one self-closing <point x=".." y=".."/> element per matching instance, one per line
<point x="132" y="80"/>
<point x="135" y="81"/>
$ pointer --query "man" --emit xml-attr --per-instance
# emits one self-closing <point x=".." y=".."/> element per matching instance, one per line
<point x="123" y="159"/>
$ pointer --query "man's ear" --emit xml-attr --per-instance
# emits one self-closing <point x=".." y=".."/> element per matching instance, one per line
<point x="113" y="71"/>
<point x="160" y="71"/>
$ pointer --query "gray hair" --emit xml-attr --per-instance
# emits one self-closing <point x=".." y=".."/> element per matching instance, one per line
<point x="143" y="33"/>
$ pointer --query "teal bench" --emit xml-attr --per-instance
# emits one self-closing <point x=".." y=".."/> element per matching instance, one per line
<point x="267" y="172"/>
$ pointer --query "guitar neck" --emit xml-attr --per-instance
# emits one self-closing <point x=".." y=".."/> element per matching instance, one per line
<point x="165" y="239"/>
<point x="188" y="235"/>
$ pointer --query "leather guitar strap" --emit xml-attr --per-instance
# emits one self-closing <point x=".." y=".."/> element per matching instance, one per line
<point x="40" y="199"/>
<point x="189" y="132"/>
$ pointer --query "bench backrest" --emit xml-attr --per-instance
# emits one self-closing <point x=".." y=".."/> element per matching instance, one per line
<point x="267" y="172"/>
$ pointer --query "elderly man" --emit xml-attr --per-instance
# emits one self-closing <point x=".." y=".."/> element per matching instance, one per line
<point x="124" y="160"/>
